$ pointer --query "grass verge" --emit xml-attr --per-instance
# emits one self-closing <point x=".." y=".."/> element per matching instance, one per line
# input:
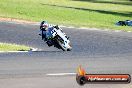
<point x="13" y="47"/>
<point x="88" y="13"/>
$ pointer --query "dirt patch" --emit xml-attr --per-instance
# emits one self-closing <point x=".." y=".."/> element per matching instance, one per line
<point x="17" y="20"/>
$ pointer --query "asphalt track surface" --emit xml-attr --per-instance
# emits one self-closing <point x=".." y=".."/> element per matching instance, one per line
<point x="97" y="51"/>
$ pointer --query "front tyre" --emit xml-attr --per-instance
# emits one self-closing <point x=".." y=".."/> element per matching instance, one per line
<point x="61" y="46"/>
<point x="69" y="49"/>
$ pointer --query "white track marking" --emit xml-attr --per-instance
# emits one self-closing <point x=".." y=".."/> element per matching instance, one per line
<point x="34" y="49"/>
<point x="61" y="74"/>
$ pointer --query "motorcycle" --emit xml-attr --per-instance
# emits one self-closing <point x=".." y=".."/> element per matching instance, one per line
<point x="55" y="36"/>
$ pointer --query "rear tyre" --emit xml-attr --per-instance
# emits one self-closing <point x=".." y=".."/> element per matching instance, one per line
<point x="49" y="43"/>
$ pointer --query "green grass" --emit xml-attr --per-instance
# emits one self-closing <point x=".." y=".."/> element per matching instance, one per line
<point x="88" y="13"/>
<point x="13" y="47"/>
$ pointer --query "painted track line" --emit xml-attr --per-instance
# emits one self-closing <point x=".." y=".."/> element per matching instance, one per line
<point x="61" y="74"/>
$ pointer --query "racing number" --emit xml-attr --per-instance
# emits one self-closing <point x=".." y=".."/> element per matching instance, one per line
<point x="53" y="32"/>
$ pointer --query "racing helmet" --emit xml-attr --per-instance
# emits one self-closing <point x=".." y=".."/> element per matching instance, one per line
<point x="44" y="25"/>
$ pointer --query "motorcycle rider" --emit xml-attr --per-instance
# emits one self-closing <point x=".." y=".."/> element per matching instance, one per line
<point x="44" y="26"/>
